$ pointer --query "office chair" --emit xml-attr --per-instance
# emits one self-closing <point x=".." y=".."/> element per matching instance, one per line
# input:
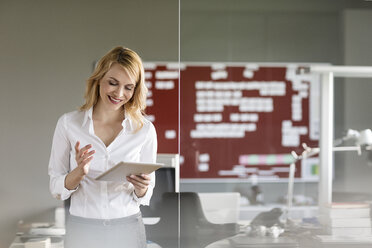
<point x="195" y="230"/>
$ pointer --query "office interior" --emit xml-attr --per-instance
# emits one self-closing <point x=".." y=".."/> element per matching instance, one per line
<point x="48" y="50"/>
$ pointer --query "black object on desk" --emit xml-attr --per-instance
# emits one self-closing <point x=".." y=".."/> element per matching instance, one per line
<point x="268" y="219"/>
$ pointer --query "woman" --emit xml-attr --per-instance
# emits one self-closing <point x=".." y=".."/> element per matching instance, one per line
<point x="109" y="128"/>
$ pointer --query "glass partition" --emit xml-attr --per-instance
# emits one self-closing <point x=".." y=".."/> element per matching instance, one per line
<point x="249" y="109"/>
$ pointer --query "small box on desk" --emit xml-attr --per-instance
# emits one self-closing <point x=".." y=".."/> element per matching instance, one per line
<point x="346" y="219"/>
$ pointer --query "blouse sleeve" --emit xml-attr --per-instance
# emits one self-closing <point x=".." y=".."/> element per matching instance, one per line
<point x="59" y="162"/>
<point x="148" y="155"/>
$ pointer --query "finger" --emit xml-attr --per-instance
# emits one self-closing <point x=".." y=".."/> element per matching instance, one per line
<point x="85" y="156"/>
<point x="85" y="149"/>
<point x="138" y="180"/>
<point x="85" y="161"/>
<point x="134" y="182"/>
<point x="77" y="147"/>
<point x="137" y="184"/>
<point x="82" y="152"/>
<point x="143" y="179"/>
<point x="146" y="177"/>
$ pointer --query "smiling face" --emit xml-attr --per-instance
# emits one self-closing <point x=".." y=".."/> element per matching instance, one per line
<point x="116" y="88"/>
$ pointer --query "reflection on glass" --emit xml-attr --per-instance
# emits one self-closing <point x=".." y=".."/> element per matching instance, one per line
<point x="246" y="108"/>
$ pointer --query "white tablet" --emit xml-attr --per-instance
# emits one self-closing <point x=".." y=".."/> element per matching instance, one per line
<point x="119" y="172"/>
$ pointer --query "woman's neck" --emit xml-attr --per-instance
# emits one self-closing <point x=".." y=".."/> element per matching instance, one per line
<point x="107" y="116"/>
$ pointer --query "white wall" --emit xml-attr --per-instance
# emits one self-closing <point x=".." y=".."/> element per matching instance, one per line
<point x="47" y="50"/>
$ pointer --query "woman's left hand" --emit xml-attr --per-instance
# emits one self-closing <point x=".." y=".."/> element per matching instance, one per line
<point x="140" y="183"/>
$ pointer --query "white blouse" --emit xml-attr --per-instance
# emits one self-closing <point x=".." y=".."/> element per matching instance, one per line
<point x="92" y="198"/>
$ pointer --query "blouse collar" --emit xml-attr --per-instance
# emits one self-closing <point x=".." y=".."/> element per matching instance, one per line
<point x="127" y="122"/>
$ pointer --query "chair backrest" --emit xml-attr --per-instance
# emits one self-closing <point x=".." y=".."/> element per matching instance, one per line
<point x="183" y="212"/>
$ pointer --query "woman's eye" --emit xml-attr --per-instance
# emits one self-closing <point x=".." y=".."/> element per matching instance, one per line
<point x="129" y="88"/>
<point x="112" y="83"/>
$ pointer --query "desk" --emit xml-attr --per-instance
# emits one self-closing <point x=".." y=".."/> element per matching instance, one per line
<point x="28" y="232"/>
<point x="19" y="241"/>
<point x="242" y="240"/>
<point x="300" y="242"/>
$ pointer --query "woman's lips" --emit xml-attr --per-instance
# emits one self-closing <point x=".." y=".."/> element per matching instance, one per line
<point x="114" y="100"/>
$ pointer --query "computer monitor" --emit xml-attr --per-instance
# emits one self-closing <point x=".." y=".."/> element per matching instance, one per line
<point x="167" y="180"/>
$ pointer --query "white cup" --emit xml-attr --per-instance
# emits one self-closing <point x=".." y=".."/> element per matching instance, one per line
<point x="365" y="137"/>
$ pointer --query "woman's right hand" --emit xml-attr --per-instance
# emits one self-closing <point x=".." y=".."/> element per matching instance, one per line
<point x="83" y="157"/>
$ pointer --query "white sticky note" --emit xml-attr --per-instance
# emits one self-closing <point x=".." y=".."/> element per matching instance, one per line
<point x="219" y="94"/>
<point x="148" y="84"/>
<point x="302" y="130"/>
<point x="208" y="85"/>
<point x="148" y="75"/>
<point x="226" y="86"/>
<point x="201" y="108"/>
<point x="216" y="75"/>
<point x="252" y="66"/>
<point x="181" y="159"/>
<point x="150" y="117"/>
<point x="176" y="66"/>
<point x="193" y="134"/>
<point x="170" y="134"/>
<point x="235" y="85"/>
<point x="198" y="118"/>
<point x="245" y="117"/>
<point x="203" y="167"/>
<point x="207" y="118"/>
<point x="304" y="94"/>
<point x="201" y="101"/>
<point x="254" y="117"/>
<point x="199" y="85"/>
<point x="149" y="66"/>
<point x="201" y="126"/>
<point x="218" y="66"/>
<point x="217" y="117"/>
<point x="237" y="94"/>
<point x="234" y="117"/>
<point x="204" y="157"/>
<point x="149" y="102"/>
<point x="250" y="127"/>
<point x="209" y="93"/>
<point x="166" y="75"/>
<point x="227" y="94"/>
<point x="248" y="73"/>
<point x="170" y="85"/>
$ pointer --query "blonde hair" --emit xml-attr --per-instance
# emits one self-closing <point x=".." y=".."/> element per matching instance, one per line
<point x="132" y="63"/>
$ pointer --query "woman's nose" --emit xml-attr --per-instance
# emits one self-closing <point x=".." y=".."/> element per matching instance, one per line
<point x="120" y="92"/>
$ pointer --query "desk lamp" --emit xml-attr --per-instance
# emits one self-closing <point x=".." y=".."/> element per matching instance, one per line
<point x="362" y="143"/>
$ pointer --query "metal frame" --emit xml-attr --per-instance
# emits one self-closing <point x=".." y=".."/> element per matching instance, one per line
<point x="326" y="124"/>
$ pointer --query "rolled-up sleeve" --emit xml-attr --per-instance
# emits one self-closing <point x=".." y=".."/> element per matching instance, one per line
<point x="148" y="155"/>
<point x="59" y="162"/>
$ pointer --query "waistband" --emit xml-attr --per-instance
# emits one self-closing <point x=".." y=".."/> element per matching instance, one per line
<point x="106" y="222"/>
